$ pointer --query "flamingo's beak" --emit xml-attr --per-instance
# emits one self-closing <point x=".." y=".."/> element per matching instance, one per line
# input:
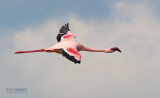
<point x="119" y="50"/>
<point x="116" y="49"/>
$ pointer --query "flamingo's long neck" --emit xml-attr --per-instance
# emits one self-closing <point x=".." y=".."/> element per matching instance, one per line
<point x="97" y="50"/>
<point x="94" y="50"/>
<point x="40" y="50"/>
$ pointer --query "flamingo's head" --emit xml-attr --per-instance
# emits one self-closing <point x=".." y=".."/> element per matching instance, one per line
<point x="116" y="49"/>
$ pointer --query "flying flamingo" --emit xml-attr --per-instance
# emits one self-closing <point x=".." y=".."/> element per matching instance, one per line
<point x="68" y="47"/>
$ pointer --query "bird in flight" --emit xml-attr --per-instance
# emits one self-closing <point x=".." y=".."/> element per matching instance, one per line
<point x="68" y="47"/>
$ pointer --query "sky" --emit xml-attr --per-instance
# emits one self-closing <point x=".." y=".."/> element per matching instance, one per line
<point x="132" y="25"/>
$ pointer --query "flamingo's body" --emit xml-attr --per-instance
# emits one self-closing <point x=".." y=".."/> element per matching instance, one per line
<point x="68" y="47"/>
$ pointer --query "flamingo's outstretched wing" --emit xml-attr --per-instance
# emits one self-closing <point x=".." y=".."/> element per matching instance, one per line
<point x="71" y="54"/>
<point x="65" y="33"/>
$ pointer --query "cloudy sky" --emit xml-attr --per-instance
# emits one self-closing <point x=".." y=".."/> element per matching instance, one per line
<point x="132" y="25"/>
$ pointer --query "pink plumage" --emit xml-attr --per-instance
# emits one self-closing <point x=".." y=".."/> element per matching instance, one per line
<point x="68" y="47"/>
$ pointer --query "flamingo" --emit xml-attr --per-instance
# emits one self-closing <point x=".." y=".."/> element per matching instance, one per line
<point x="68" y="47"/>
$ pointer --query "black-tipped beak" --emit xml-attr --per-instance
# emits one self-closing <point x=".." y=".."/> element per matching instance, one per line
<point x="119" y="50"/>
<point x="116" y="49"/>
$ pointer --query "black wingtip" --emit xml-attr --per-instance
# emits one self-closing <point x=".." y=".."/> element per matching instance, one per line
<point x="63" y="30"/>
<point x="67" y="25"/>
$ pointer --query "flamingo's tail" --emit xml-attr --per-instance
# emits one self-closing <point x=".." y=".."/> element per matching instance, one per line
<point x="40" y="50"/>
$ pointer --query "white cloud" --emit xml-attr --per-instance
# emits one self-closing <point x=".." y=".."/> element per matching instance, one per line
<point x="134" y="73"/>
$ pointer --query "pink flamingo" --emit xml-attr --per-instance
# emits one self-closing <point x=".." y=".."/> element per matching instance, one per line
<point x="68" y="47"/>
